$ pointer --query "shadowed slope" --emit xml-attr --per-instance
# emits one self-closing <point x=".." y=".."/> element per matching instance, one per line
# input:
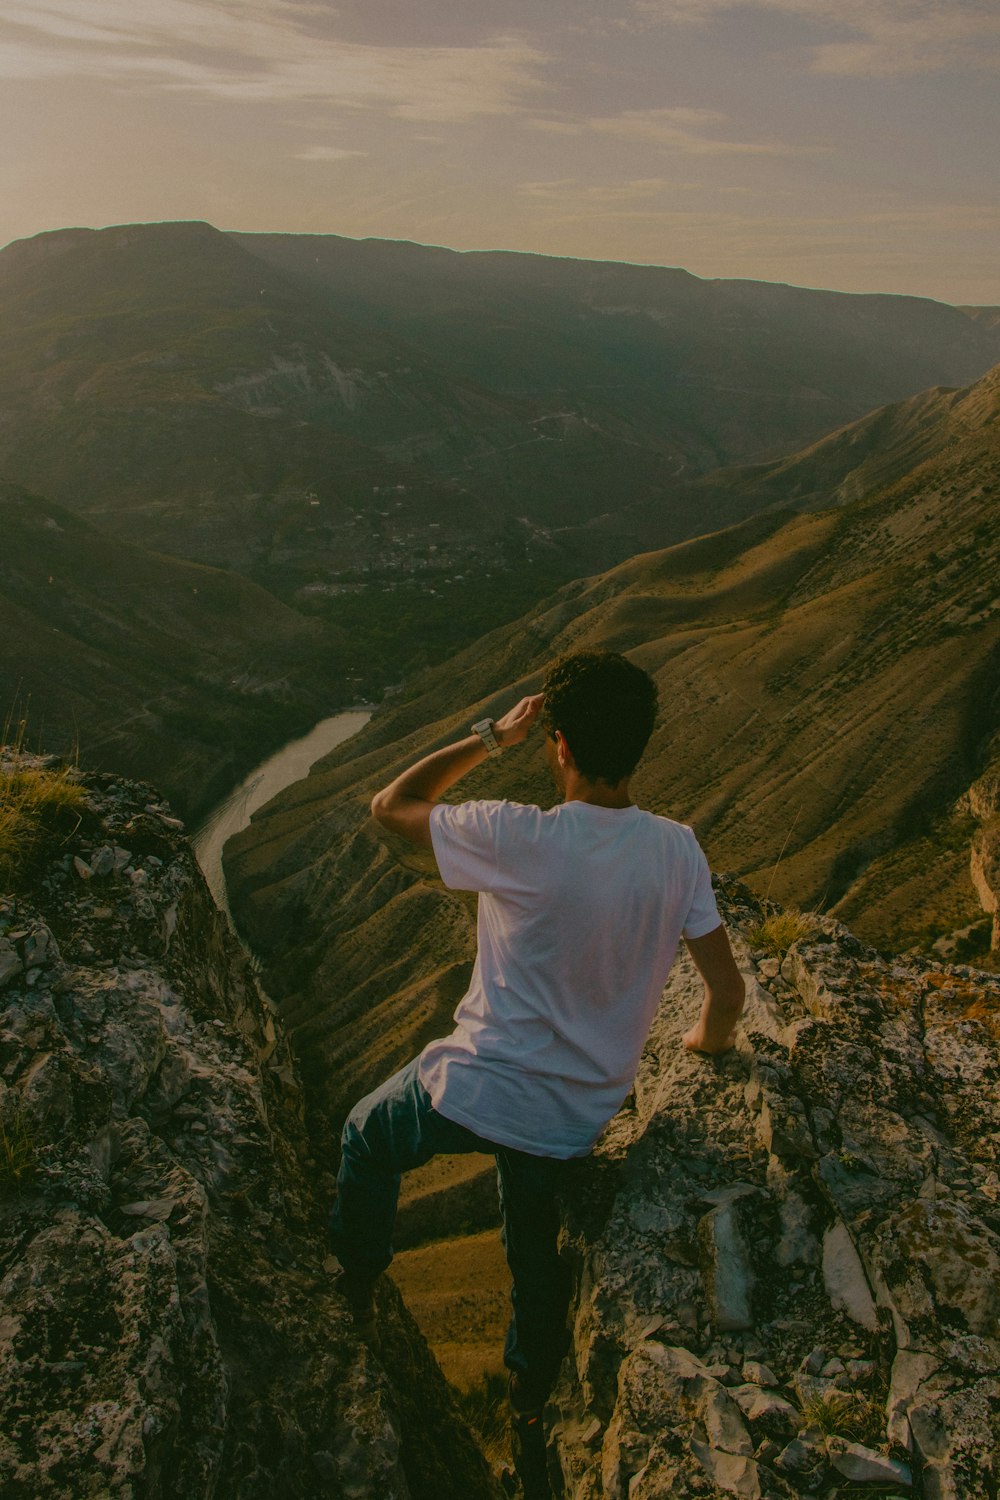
<point x="144" y="663"/>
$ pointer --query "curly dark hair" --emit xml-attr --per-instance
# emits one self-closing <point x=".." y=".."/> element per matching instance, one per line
<point x="605" y="707"/>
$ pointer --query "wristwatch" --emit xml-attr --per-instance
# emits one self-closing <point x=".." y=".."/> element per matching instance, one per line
<point x="484" y="729"/>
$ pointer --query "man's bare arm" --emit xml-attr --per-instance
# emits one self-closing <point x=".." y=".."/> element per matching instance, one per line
<point x="404" y="806"/>
<point x="715" y="1029"/>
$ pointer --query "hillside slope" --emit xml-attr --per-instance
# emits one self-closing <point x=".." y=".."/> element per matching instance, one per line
<point x="828" y="687"/>
<point x="309" y="409"/>
<point x="124" y="658"/>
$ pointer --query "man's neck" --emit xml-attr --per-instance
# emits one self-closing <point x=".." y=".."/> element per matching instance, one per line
<point x="597" y="793"/>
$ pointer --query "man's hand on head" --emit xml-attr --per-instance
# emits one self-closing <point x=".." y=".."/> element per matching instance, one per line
<point x="514" y="725"/>
<point x="406" y="804"/>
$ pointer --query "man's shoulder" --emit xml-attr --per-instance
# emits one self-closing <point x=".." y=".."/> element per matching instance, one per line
<point x="475" y="807"/>
<point x="483" y="813"/>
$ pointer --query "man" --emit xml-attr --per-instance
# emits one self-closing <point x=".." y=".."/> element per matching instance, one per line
<point x="581" y="908"/>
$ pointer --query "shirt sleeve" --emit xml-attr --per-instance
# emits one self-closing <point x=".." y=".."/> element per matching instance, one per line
<point x="464" y="839"/>
<point x="703" y="914"/>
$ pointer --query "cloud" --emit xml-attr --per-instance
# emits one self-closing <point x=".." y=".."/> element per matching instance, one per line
<point x="681" y="129"/>
<point x="326" y="153"/>
<point x="869" y="38"/>
<point x="892" y="228"/>
<point x="271" y="51"/>
<point x="563" y="189"/>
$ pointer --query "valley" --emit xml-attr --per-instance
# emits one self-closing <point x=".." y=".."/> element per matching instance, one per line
<point x="411" y="445"/>
<point x="251" y="480"/>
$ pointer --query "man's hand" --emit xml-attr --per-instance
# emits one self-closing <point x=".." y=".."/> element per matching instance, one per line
<point x="697" y="1040"/>
<point x="715" y="1029"/>
<point x="515" y="724"/>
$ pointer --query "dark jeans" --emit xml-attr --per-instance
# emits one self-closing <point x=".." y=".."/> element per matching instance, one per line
<point x="397" y="1128"/>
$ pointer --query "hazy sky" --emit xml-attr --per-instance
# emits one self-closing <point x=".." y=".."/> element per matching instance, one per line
<point x="838" y="143"/>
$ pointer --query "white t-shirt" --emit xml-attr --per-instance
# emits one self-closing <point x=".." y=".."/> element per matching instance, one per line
<point x="580" y="912"/>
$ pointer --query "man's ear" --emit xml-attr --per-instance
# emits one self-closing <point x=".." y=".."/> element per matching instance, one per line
<point x="564" y="754"/>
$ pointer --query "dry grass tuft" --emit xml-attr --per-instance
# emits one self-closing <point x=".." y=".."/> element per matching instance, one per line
<point x="32" y="799"/>
<point x="487" y="1411"/>
<point x="847" y="1414"/>
<point x="776" y="933"/>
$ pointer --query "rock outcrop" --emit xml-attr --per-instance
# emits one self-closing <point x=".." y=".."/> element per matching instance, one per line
<point x="788" y="1259"/>
<point x="167" y="1326"/>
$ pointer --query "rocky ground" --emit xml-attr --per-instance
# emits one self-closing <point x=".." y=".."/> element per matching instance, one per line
<point x="788" y="1259"/>
<point x="167" y="1326"/>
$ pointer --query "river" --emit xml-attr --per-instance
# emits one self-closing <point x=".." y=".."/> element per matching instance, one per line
<point x="290" y="763"/>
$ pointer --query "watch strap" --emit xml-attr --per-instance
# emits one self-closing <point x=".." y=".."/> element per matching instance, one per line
<point x="484" y="729"/>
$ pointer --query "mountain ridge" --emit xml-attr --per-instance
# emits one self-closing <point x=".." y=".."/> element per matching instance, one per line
<point x="190" y="390"/>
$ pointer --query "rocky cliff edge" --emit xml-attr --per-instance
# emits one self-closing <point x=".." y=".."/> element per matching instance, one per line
<point x="788" y="1259"/>
<point x="167" y="1327"/>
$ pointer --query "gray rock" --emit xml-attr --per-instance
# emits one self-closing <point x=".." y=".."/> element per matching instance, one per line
<point x="724" y="1424"/>
<point x="844" y="1276"/>
<point x="726" y="1267"/>
<point x="40" y="948"/>
<point x="864" y="1465"/>
<point x="157" y="1209"/>
<point x="10" y="963"/>
<point x="895" y="1094"/>
<point x="759" y="1374"/>
<point x="800" y="1458"/>
<point x="117" y="1254"/>
<point x="736" y="1476"/>
<point x="783" y="1130"/>
<point x="102" y="861"/>
<point x="767" y="1411"/>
